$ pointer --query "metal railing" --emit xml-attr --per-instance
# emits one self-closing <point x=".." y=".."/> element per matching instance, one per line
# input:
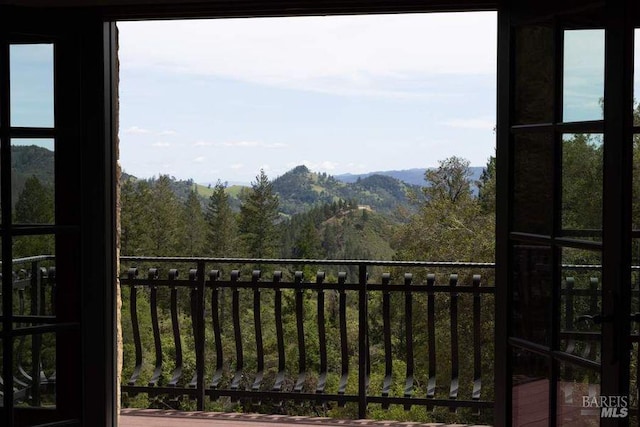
<point x="406" y="295"/>
<point x="367" y="332"/>
<point x="34" y="288"/>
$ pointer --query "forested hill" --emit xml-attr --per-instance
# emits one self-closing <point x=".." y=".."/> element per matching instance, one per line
<point x="300" y="189"/>
<point x="413" y="176"/>
<point x="28" y="161"/>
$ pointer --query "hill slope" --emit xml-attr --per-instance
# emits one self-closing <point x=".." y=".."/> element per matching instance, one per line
<point x="300" y="189"/>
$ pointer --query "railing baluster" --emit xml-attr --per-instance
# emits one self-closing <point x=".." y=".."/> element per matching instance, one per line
<point x="453" y="390"/>
<point x="431" y="332"/>
<point x="302" y="353"/>
<point x="477" y="340"/>
<point x="344" y="349"/>
<point x="386" y="327"/>
<point x="21" y="340"/>
<point x="193" y="305"/>
<point x="568" y="321"/>
<point x="152" y="276"/>
<point x="177" y="372"/>
<point x="322" y="336"/>
<point x="363" y="349"/>
<point x="280" y="376"/>
<point x="237" y="378"/>
<point x="255" y="277"/>
<point x="214" y="276"/>
<point x="199" y="337"/>
<point x="408" y="311"/>
<point x="51" y="277"/>
<point x="36" y="339"/>
<point x="135" y="326"/>
<point x="590" y="348"/>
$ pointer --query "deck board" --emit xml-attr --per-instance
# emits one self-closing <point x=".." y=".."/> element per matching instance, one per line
<point x="160" y="418"/>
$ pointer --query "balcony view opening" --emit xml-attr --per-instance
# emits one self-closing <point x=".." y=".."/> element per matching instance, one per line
<point x="320" y="192"/>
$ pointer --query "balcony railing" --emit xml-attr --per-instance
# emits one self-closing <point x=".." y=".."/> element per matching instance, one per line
<point x="380" y="299"/>
<point x="34" y="289"/>
<point x="317" y="331"/>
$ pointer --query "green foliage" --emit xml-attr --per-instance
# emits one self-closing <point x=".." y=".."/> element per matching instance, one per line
<point x="300" y="190"/>
<point x="35" y="203"/>
<point x="34" y="206"/>
<point x="221" y="224"/>
<point x="258" y="215"/>
<point x="451" y="224"/>
<point x="194" y="227"/>
<point x="582" y="182"/>
<point x="135" y="198"/>
<point x="487" y="187"/>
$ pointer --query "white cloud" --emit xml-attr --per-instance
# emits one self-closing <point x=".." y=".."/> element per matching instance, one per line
<point x="326" y="165"/>
<point x="338" y="54"/>
<point x="161" y="144"/>
<point x="481" y="124"/>
<point x="240" y="144"/>
<point x="236" y="166"/>
<point x="199" y="159"/>
<point x="135" y="130"/>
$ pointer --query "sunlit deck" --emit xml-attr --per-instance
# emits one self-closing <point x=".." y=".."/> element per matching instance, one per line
<point x="159" y="418"/>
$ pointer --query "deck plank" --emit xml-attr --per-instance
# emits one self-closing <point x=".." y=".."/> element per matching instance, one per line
<point x="160" y="418"/>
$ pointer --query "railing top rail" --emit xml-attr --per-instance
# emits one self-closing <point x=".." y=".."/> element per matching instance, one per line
<point x="314" y="261"/>
<point x="32" y="259"/>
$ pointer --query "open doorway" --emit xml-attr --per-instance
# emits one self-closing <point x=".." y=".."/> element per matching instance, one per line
<point x="329" y="140"/>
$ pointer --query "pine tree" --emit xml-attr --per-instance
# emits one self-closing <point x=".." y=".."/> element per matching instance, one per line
<point x="35" y="203"/>
<point x="450" y="224"/>
<point x="164" y="222"/>
<point x="221" y="224"/>
<point x="258" y="215"/>
<point x="34" y="206"/>
<point x="487" y="187"/>
<point x="194" y="227"/>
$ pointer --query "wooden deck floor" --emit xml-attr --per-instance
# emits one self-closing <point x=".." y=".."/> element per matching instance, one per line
<point x="158" y="418"/>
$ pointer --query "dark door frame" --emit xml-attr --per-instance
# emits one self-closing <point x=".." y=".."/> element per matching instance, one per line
<point x="85" y="212"/>
<point x="617" y="196"/>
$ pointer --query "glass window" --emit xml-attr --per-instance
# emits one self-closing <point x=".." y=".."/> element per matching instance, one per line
<point x="532" y="285"/>
<point x="32" y="181"/>
<point x="530" y="379"/>
<point x="582" y="162"/>
<point x="583" y="84"/>
<point x="534" y="74"/>
<point x="581" y="302"/>
<point x="31" y="74"/>
<point x="533" y="162"/>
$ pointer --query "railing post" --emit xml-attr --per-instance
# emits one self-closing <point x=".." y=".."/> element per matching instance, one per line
<point x="363" y="351"/>
<point x="36" y="339"/>
<point x="200" y="336"/>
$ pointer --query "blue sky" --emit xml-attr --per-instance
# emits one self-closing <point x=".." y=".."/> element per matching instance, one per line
<point x="221" y="99"/>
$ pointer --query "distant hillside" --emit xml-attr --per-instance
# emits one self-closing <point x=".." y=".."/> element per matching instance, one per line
<point x="409" y="176"/>
<point x="27" y="161"/>
<point x="338" y="231"/>
<point x="300" y="189"/>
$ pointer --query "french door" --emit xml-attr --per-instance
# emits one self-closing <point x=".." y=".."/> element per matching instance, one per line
<point x="565" y="214"/>
<point x="56" y="229"/>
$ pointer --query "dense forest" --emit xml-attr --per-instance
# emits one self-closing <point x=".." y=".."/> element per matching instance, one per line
<point x="303" y="214"/>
